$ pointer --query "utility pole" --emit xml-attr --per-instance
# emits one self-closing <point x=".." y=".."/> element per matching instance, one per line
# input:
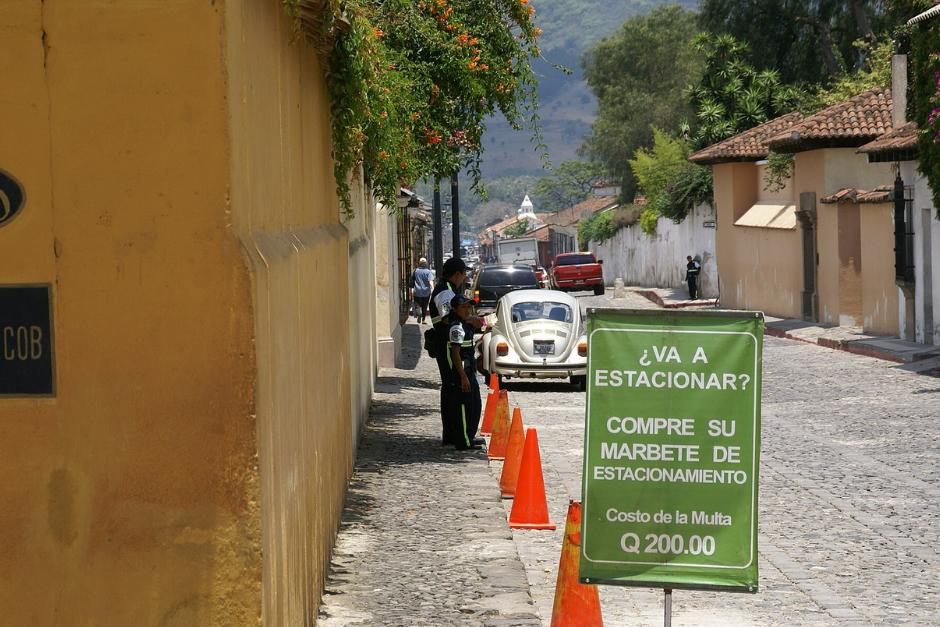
<point x="455" y="213"/>
<point x="437" y="227"/>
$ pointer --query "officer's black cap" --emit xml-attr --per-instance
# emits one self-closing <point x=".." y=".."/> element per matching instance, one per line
<point x="454" y="264"/>
<point x="458" y="300"/>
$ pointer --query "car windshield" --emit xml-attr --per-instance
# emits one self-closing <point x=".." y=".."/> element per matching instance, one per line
<point x="495" y="277"/>
<point x="574" y="260"/>
<point x="545" y="310"/>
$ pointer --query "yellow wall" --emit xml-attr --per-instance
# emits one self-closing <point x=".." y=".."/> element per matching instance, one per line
<point x="839" y="241"/>
<point x="210" y="379"/>
<point x="132" y="497"/>
<point x="759" y="268"/>
<point x="879" y="291"/>
<point x="314" y="370"/>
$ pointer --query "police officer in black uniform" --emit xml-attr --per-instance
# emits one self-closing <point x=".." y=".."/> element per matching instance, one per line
<point x="692" y="269"/>
<point x="464" y="394"/>
<point x="454" y="274"/>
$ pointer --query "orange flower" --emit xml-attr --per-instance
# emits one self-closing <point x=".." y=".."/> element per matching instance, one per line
<point x="415" y="116"/>
<point x="474" y="41"/>
<point x="383" y="154"/>
<point x="531" y="10"/>
<point x="377" y="32"/>
<point x="472" y="65"/>
<point x="384" y="114"/>
<point x="484" y="66"/>
<point x="523" y="2"/>
<point x="451" y="27"/>
<point x="537" y="31"/>
<point x="463" y="38"/>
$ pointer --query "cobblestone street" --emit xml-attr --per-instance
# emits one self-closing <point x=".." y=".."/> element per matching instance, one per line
<point x="850" y="514"/>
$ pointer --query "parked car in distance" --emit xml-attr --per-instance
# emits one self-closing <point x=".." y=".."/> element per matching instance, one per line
<point x="538" y="334"/>
<point x="542" y="276"/>
<point x="577" y="271"/>
<point x="495" y="281"/>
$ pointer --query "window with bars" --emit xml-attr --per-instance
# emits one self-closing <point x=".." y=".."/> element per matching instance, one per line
<point x="903" y="232"/>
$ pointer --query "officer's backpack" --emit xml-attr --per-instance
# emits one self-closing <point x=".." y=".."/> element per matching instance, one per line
<point x="432" y="343"/>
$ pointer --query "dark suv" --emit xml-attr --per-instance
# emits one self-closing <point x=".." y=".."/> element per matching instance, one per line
<point x="493" y="282"/>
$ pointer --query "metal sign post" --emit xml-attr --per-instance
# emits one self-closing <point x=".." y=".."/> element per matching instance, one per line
<point x="667" y="608"/>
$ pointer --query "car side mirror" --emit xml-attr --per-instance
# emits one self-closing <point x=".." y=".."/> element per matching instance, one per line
<point x="600" y="261"/>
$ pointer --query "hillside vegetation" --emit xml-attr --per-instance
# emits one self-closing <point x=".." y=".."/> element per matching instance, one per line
<point x="568" y="107"/>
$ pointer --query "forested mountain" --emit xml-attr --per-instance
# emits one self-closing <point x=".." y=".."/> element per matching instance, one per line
<point x="568" y="107"/>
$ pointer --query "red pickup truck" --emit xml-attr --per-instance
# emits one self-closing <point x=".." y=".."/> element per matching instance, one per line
<point x="578" y="271"/>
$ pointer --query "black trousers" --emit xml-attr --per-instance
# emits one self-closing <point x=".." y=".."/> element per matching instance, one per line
<point x="423" y="303"/>
<point x="448" y="428"/>
<point x="693" y="287"/>
<point x="466" y="408"/>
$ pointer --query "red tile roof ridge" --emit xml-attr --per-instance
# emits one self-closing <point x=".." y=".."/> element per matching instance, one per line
<point x="749" y="145"/>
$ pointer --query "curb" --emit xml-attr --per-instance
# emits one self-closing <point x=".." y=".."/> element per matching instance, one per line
<point x="838" y="345"/>
<point x="656" y="298"/>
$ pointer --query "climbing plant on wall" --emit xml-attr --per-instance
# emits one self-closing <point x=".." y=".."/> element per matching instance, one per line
<point x="412" y="83"/>
<point x="924" y="72"/>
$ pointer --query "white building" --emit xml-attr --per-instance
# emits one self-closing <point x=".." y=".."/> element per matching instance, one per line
<point x="917" y="229"/>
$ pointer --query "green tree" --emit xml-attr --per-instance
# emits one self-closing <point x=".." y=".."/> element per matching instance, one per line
<point x="516" y="230"/>
<point x="806" y="41"/>
<point x="568" y="184"/>
<point x="732" y="96"/>
<point x="639" y="75"/>
<point x="671" y="183"/>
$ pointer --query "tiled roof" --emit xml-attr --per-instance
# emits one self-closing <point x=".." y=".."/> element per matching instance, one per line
<point x="751" y="145"/>
<point x="853" y="122"/>
<point x="572" y="215"/>
<point x="882" y="193"/>
<point x="901" y="139"/>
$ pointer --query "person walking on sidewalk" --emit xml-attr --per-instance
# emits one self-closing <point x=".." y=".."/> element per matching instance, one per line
<point x="454" y="275"/>
<point x="692" y="270"/>
<point x="462" y="375"/>
<point x="422" y="283"/>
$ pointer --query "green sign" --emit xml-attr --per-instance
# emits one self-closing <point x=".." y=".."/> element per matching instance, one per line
<point x="671" y="449"/>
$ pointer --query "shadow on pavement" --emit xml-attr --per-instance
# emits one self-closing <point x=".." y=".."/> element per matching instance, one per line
<point x="411" y="347"/>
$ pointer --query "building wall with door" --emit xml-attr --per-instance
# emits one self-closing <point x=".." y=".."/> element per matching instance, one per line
<point x="926" y="229"/>
<point x="191" y="467"/>
<point x="758" y="268"/>
<point x="843" y="253"/>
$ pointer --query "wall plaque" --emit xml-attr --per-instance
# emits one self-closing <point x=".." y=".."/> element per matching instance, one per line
<point x="12" y="198"/>
<point x="27" y="361"/>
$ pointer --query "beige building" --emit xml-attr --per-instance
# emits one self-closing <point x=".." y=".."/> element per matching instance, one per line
<point x="814" y="247"/>
<point x="178" y="455"/>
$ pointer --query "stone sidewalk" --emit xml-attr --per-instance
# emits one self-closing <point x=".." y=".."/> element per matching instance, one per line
<point x="424" y="538"/>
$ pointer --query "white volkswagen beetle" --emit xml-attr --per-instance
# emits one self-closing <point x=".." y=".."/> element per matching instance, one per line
<point x="537" y="334"/>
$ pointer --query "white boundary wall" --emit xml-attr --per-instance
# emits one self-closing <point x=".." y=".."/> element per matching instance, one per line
<point x="659" y="260"/>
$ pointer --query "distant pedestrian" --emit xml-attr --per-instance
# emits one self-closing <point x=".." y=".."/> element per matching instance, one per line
<point x="462" y="376"/>
<point x="692" y="270"/>
<point x="422" y="283"/>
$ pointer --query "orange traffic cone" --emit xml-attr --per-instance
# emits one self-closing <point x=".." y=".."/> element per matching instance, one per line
<point x="489" y="413"/>
<point x="529" y="508"/>
<point x="500" y="439"/>
<point x="510" y="475"/>
<point x="494" y="382"/>
<point x="576" y="604"/>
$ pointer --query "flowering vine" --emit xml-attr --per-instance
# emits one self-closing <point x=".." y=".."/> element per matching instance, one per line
<point x="412" y="83"/>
